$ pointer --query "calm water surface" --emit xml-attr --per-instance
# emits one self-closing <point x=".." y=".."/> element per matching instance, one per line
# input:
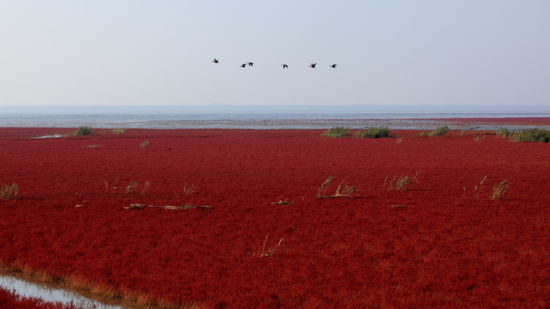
<point x="25" y="289"/>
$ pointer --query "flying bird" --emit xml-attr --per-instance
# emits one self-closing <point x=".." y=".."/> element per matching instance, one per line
<point x="251" y="64"/>
<point x="313" y="65"/>
<point x="243" y="65"/>
<point x="285" y="66"/>
<point x="333" y="66"/>
<point x="215" y="60"/>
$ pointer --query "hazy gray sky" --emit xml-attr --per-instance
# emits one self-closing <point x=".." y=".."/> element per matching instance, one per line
<point x="395" y="52"/>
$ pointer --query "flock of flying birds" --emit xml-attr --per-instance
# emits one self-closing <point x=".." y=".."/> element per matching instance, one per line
<point x="285" y="66"/>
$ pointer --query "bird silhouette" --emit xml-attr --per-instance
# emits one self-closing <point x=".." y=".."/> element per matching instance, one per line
<point x="215" y="60"/>
<point x="251" y="64"/>
<point x="285" y="66"/>
<point x="243" y="65"/>
<point x="313" y="65"/>
<point x="333" y="66"/>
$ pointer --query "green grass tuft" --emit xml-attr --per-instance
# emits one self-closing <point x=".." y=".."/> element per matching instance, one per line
<point x="375" y="133"/>
<point x="439" y="131"/>
<point x="336" y="132"/>
<point x="83" y="131"/>
<point x="504" y="132"/>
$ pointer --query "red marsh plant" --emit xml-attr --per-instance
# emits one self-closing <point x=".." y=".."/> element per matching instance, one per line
<point x="477" y="188"/>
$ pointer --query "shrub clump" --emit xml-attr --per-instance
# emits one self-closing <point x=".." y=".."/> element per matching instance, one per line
<point x="83" y="131"/>
<point x="375" y="133"/>
<point x="9" y="192"/>
<point x="439" y="131"/>
<point x="336" y="132"/>
<point x="533" y="135"/>
<point x="504" y="132"/>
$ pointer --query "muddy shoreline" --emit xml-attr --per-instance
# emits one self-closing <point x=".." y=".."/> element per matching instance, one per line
<point x="282" y="123"/>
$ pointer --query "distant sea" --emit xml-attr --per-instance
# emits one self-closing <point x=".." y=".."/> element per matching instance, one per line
<point x="251" y="117"/>
<point x="242" y="120"/>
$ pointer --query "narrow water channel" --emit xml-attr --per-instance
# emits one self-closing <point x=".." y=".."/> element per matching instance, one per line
<point x="25" y="289"/>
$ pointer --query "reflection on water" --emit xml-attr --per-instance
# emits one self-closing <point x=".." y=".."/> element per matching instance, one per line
<point x="25" y="289"/>
<point x="50" y="136"/>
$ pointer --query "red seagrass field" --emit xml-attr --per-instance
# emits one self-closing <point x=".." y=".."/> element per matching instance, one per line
<point x="248" y="218"/>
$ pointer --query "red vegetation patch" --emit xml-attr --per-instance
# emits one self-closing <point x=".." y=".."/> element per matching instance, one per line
<point x="267" y="240"/>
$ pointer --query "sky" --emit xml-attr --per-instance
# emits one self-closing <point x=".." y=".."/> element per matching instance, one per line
<point x="438" y="53"/>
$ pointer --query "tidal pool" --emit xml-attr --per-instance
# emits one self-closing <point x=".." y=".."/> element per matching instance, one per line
<point x="49" y="136"/>
<point x="26" y="289"/>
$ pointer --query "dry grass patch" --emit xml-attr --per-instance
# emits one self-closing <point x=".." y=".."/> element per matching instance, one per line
<point x="499" y="189"/>
<point x="344" y="189"/>
<point x="9" y="191"/>
<point x="270" y="251"/>
<point x="189" y="189"/>
<point x="119" y="131"/>
<point x="477" y="188"/>
<point x="400" y="183"/>
<point x="480" y="189"/>
<point x="480" y="186"/>
<point x="132" y="187"/>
